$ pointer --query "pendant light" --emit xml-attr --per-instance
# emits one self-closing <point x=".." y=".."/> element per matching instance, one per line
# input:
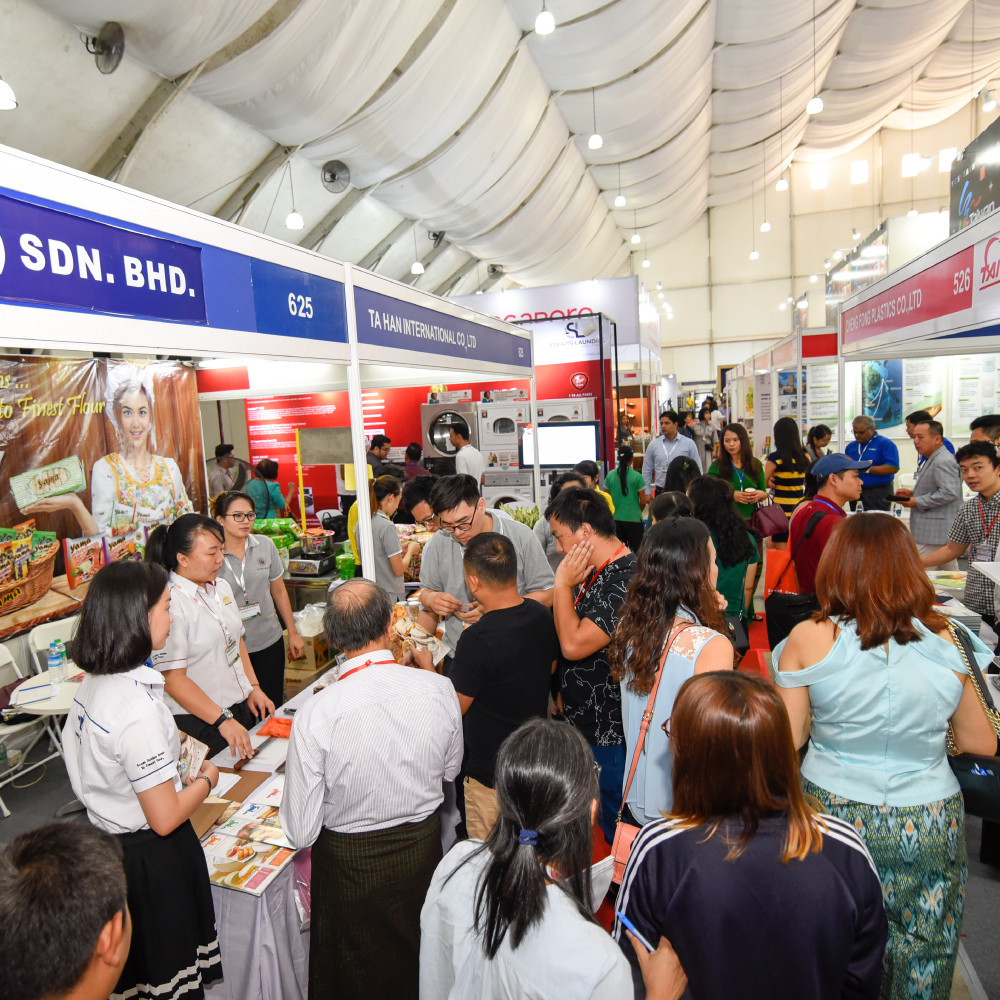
<point x="595" y="141"/>
<point x="765" y="226"/>
<point x="753" y="227"/>
<point x="636" y="238"/>
<point x="782" y="184"/>
<point x="8" y="102"/>
<point x="416" y="267"/>
<point x="620" y="198"/>
<point x="646" y="262"/>
<point x="293" y="220"/>
<point x="815" y="105"/>
<point x="545" y="23"/>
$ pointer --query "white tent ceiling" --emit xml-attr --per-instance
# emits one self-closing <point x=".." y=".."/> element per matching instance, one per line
<point x="454" y="116"/>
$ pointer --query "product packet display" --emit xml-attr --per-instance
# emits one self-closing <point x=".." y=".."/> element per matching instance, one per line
<point x="20" y="549"/>
<point x="84" y="557"/>
<point x="131" y="546"/>
<point x="256" y="822"/>
<point x="242" y="864"/>
<point x="148" y="527"/>
<point x="192" y="755"/>
<point x="41" y="542"/>
<point x="55" y="479"/>
<point x="6" y="562"/>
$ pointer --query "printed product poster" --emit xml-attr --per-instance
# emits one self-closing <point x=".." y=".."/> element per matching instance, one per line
<point x="882" y="392"/>
<point x="821" y="403"/>
<point x="923" y="385"/>
<point x="762" y="414"/>
<point x="98" y="447"/>
<point x="976" y="388"/>
<point x="788" y="400"/>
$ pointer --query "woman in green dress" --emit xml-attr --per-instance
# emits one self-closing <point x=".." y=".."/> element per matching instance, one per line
<point x="737" y="466"/>
<point x="735" y="546"/>
<point x="628" y="493"/>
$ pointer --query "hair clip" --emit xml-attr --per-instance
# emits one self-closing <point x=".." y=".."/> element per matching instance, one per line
<point x="529" y="837"/>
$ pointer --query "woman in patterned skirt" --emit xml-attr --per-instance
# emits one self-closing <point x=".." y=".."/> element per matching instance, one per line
<point x="873" y="685"/>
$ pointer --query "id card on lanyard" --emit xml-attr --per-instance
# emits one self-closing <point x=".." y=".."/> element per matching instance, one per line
<point x="985" y="550"/>
<point x="247" y="610"/>
<point x="232" y="644"/>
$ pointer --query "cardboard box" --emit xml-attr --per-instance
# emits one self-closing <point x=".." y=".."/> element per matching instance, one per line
<point x="297" y="680"/>
<point x="315" y="655"/>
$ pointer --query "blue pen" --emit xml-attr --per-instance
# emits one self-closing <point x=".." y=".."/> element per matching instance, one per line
<point x="628" y="923"/>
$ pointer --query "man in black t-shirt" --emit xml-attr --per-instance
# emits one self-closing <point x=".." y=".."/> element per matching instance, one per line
<point x="501" y="671"/>
<point x="589" y="590"/>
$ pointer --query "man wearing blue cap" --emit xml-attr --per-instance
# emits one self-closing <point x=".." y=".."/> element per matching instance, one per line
<point x="839" y="483"/>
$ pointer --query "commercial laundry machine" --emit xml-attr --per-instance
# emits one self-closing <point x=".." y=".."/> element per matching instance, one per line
<point x="436" y="421"/>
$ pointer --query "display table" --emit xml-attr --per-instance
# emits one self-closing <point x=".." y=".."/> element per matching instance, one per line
<point x="59" y="602"/>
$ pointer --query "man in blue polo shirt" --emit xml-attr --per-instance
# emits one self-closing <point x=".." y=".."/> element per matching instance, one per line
<point x="869" y="446"/>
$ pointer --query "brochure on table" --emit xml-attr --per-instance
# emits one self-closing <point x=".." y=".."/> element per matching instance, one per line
<point x="88" y="265"/>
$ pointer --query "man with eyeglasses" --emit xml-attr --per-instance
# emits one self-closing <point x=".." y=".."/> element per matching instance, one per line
<point x="462" y="515"/>
<point x="415" y="507"/>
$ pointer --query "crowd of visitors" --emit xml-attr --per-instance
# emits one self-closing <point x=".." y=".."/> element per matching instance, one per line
<point x="590" y="681"/>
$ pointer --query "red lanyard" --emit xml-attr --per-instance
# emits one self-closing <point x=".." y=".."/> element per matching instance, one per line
<point x="362" y="666"/>
<point x="982" y="517"/>
<point x="583" y="590"/>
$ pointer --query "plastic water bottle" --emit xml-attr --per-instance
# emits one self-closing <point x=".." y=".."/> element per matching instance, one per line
<point x="55" y="669"/>
<point x="63" y="658"/>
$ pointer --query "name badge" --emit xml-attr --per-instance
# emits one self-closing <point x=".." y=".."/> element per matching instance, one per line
<point x="982" y="552"/>
<point x="232" y="653"/>
<point x="249" y="611"/>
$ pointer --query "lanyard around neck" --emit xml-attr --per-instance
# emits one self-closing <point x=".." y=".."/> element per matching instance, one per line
<point x="365" y="666"/>
<point x="597" y="573"/>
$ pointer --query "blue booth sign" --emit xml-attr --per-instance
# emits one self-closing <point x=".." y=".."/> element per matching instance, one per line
<point x="58" y="259"/>
<point x="393" y="323"/>
<point x="292" y="303"/>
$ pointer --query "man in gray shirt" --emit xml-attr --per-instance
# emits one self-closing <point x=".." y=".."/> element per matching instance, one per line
<point x="462" y="514"/>
<point x="936" y="496"/>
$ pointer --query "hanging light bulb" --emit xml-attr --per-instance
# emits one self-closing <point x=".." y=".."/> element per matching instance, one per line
<point x="754" y="255"/>
<point x="635" y="228"/>
<point x="545" y="23"/>
<point x="416" y="267"/>
<point x="855" y="233"/>
<point x="782" y="184"/>
<point x="815" y="105"/>
<point x="293" y="220"/>
<point x="765" y="226"/>
<point x="8" y="102"/>
<point x="912" y="212"/>
<point x="595" y="141"/>
<point x="636" y="238"/>
<point x="813" y="279"/>
<point x="646" y="262"/>
<point x="620" y="198"/>
<point x="659" y="286"/>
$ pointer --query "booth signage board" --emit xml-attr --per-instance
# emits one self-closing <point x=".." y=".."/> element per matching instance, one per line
<point x="406" y="326"/>
<point x="946" y="301"/>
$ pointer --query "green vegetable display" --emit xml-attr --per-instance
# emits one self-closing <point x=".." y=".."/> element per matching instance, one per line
<point x="525" y="515"/>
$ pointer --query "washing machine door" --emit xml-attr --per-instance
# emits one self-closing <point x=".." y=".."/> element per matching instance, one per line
<point x="439" y="431"/>
<point x="504" y="425"/>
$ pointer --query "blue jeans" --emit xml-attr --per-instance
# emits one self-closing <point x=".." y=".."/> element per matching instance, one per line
<point x="612" y="763"/>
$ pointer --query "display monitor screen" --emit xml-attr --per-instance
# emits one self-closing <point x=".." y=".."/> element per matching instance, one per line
<point x="560" y="445"/>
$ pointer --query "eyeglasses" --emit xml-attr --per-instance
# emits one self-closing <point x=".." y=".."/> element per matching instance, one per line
<point x="450" y="529"/>
<point x="427" y="521"/>
<point x="240" y="516"/>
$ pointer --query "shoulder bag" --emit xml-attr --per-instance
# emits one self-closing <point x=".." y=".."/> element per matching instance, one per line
<point x="768" y="519"/>
<point x="625" y="833"/>
<point x="978" y="774"/>
<point x="782" y="612"/>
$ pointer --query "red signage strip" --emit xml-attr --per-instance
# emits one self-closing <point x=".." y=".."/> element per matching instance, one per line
<point x="940" y="290"/>
<point x="819" y="345"/>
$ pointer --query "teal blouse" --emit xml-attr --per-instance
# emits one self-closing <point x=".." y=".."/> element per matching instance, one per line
<point x="879" y="719"/>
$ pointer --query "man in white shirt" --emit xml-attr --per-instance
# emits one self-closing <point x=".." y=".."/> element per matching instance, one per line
<point x="663" y="450"/>
<point x="222" y="477"/>
<point x="468" y="461"/>
<point x="364" y="777"/>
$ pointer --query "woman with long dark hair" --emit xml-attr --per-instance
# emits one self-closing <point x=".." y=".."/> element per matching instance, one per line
<point x="785" y="469"/>
<point x="671" y="608"/>
<point x="735" y="546"/>
<point x="628" y="493"/>
<point x="252" y="568"/>
<point x="817" y="439"/>
<point x="737" y="466"/>
<point x="122" y="749"/>
<point x="743" y="857"/>
<point x="213" y="690"/>
<point x="872" y="684"/>
<point x="680" y="472"/>
<point x="512" y="915"/>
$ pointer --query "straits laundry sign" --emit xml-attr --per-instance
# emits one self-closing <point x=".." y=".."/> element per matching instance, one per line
<point x="51" y="257"/>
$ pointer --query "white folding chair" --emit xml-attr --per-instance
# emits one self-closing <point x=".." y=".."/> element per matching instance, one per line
<point x="41" y="635"/>
<point x="9" y="671"/>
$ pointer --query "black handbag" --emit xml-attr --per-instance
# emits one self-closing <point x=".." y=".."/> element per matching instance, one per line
<point x="978" y="774"/>
<point x="739" y="635"/>
<point x="782" y="612"/>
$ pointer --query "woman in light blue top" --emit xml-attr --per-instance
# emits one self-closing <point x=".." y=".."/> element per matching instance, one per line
<point x="873" y="685"/>
<point x="674" y="585"/>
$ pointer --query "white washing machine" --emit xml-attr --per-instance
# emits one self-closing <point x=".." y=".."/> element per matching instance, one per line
<point x="509" y="484"/>
<point x="436" y="420"/>
<point x="554" y="411"/>
<point x="500" y="426"/>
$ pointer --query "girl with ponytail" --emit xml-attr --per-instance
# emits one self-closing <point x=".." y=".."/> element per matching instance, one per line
<point x="627" y="489"/>
<point x="512" y="915"/>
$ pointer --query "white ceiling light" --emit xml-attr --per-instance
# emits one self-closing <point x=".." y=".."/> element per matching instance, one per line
<point x="754" y="255"/>
<point x="838" y="255"/>
<point x="620" y="198"/>
<point x="646" y="262"/>
<point x="945" y="159"/>
<point x="636" y="238"/>
<point x="859" y="172"/>
<point x="815" y="105"/>
<point x="416" y="267"/>
<point x="989" y="101"/>
<point x="595" y="141"/>
<point x="855" y="233"/>
<point x="818" y="177"/>
<point x="635" y="227"/>
<point x="765" y="226"/>
<point x="293" y="220"/>
<point x="813" y="279"/>
<point x="7" y="99"/>
<point x="782" y="184"/>
<point x="659" y="286"/>
<point x="827" y="264"/>
<point x="545" y="23"/>
<point x="912" y="212"/>
<point x="782" y="305"/>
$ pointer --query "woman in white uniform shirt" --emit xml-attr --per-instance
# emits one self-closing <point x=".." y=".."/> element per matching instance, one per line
<point x="252" y="568"/>
<point x="513" y="915"/>
<point x="121" y="748"/>
<point x="211" y="684"/>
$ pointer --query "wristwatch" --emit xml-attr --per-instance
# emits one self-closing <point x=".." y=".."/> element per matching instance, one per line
<point x="226" y="714"/>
